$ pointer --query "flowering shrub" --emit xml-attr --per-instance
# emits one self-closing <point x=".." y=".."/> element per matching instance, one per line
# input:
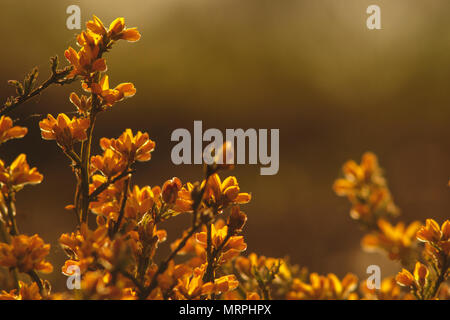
<point x="119" y="227"/>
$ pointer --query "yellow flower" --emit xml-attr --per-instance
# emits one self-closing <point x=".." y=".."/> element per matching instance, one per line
<point x="170" y="190"/>
<point x="84" y="245"/>
<point x="192" y="287"/>
<point x="221" y="194"/>
<point x="8" y="132"/>
<point x="221" y="285"/>
<point x="132" y="147"/>
<point x="116" y="29"/>
<point x="66" y="132"/>
<point x="418" y="280"/>
<point x="236" y="220"/>
<point x="170" y="277"/>
<point x="184" y="201"/>
<point x="26" y="253"/>
<point x="389" y="290"/>
<point x="110" y="163"/>
<point x="431" y="232"/>
<point x="107" y="203"/>
<point x="232" y="248"/>
<point x="355" y="174"/>
<point x="26" y="292"/>
<point x="83" y="104"/>
<point x="324" y="288"/>
<point x="84" y="62"/>
<point x="366" y="189"/>
<point x="264" y="266"/>
<point x="100" y="285"/>
<point x="435" y="237"/>
<point x="110" y="96"/>
<point x="19" y="174"/>
<point x="140" y="201"/>
<point x="393" y="239"/>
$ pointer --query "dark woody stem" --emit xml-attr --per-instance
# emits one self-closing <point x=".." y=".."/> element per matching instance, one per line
<point x="209" y="274"/>
<point x="33" y="275"/>
<point x="212" y="255"/>
<point x="122" y="205"/>
<point x="106" y="184"/>
<point x="86" y="147"/>
<point x="14" y="231"/>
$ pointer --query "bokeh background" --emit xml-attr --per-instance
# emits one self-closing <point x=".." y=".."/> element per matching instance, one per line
<point x="310" y="68"/>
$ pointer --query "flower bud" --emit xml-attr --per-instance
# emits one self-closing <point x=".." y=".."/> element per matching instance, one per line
<point x="236" y="220"/>
<point x="170" y="190"/>
<point x="405" y="278"/>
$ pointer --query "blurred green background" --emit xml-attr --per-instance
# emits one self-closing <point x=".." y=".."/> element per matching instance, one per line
<point x="310" y="68"/>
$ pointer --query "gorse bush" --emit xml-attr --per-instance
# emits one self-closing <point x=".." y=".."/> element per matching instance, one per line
<point x="111" y="251"/>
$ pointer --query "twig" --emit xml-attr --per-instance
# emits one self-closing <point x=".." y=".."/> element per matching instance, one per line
<point x="38" y="281"/>
<point x="57" y="77"/>
<point x="106" y="184"/>
<point x="85" y="157"/>
<point x="122" y="206"/>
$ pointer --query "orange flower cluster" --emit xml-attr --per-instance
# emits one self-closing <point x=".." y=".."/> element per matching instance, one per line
<point x="395" y="240"/>
<point x="65" y="131"/>
<point x="366" y="189"/>
<point x="112" y="249"/>
<point x="19" y="252"/>
<point x="25" y="292"/>
<point x="26" y="254"/>
<point x="325" y="288"/>
<point x="363" y="184"/>
<point x="423" y="283"/>
<point x="372" y="206"/>
<point x="218" y="195"/>
<point x="18" y="174"/>
<point x="130" y="147"/>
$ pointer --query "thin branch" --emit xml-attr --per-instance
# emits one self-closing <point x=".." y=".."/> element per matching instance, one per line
<point x="85" y="157"/>
<point x="57" y="77"/>
<point x="122" y="206"/>
<point x="106" y="184"/>
<point x="38" y="281"/>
